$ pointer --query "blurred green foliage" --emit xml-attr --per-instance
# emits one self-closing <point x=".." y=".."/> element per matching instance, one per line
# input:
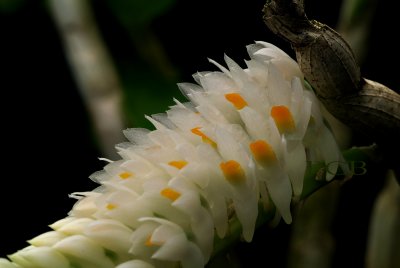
<point x="149" y="79"/>
<point x="146" y="92"/>
<point x="10" y="6"/>
<point x="136" y="13"/>
<point x="356" y="9"/>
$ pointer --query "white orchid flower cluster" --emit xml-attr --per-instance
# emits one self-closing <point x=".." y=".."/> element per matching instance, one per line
<point x="245" y="137"/>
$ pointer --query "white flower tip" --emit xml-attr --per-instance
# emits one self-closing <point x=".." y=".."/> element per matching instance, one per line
<point x="287" y="218"/>
<point x="248" y="235"/>
<point x="4" y="263"/>
<point x="135" y="264"/>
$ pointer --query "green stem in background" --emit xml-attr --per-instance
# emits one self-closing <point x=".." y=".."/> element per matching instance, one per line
<point x="153" y="53"/>
<point x="384" y="230"/>
<point x="93" y="69"/>
<point x="355" y="23"/>
<point x="136" y="17"/>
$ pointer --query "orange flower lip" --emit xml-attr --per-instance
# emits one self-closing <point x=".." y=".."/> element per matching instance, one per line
<point x="263" y="152"/>
<point x="170" y="194"/>
<point x="125" y="175"/>
<point x="283" y="119"/>
<point x="237" y="100"/>
<point x="179" y="164"/>
<point x="233" y="172"/>
<point x="203" y="136"/>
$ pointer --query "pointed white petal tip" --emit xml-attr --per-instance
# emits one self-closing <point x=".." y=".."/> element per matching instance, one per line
<point x="44" y="257"/>
<point x="4" y="263"/>
<point x="135" y="264"/>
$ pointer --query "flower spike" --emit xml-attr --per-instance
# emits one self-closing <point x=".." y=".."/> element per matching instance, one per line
<point x="244" y="139"/>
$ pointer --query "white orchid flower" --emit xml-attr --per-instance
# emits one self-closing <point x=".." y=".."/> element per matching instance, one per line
<point x="244" y="138"/>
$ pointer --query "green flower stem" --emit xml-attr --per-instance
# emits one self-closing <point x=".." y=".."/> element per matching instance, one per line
<point x="359" y="160"/>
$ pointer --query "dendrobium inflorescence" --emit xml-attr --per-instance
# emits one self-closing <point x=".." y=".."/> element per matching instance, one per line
<point x="244" y="138"/>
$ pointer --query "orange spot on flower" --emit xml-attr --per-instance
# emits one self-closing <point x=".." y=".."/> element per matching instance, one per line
<point x="232" y="171"/>
<point x="178" y="164"/>
<point x="203" y="136"/>
<point x="170" y="194"/>
<point x="149" y="243"/>
<point x="283" y="119"/>
<point x="236" y="100"/>
<point x="111" y="206"/>
<point x="262" y="152"/>
<point x="125" y="175"/>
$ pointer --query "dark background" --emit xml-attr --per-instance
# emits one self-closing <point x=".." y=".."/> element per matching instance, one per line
<point x="48" y="147"/>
